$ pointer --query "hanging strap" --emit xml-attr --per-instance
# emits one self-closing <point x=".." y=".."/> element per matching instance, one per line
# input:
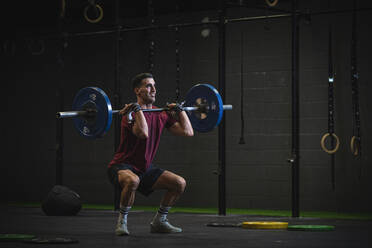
<point x="335" y="143"/>
<point x="241" y="140"/>
<point x="331" y="109"/>
<point x="355" y="142"/>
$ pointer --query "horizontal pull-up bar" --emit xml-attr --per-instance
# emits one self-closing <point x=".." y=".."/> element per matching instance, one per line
<point x="204" y="23"/>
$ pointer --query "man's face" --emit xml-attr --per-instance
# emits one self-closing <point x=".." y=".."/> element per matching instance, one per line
<point x="147" y="91"/>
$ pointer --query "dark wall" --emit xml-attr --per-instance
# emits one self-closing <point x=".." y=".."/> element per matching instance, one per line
<point x="258" y="175"/>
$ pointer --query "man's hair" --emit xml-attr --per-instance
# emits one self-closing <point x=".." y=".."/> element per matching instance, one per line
<point x="137" y="80"/>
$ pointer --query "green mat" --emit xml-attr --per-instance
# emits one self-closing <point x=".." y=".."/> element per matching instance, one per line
<point x="318" y="228"/>
<point x="15" y="237"/>
<point x="258" y="212"/>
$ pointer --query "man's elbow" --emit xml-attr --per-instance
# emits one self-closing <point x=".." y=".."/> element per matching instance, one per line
<point x="189" y="133"/>
<point x="142" y="135"/>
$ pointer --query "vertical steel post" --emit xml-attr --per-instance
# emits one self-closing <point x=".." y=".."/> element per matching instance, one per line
<point x="60" y="105"/>
<point x="295" y="113"/>
<point x="117" y="97"/>
<point x="221" y="127"/>
<point x="59" y="137"/>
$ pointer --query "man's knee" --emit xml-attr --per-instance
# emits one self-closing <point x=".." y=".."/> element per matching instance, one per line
<point x="133" y="183"/>
<point x="129" y="181"/>
<point x="180" y="184"/>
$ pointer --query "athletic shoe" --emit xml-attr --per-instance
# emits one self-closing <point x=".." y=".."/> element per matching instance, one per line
<point x="163" y="226"/>
<point x="121" y="228"/>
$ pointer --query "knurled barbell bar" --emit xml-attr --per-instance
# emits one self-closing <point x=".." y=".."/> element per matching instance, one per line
<point x="92" y="110"/>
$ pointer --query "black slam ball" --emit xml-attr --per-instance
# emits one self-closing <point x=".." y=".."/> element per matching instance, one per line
<point x="61" y="201"/>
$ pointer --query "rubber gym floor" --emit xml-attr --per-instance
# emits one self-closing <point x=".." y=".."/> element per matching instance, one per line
<point x="95" y="228"/>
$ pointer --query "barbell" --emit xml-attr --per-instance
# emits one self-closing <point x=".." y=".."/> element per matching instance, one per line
<point x="92" y="111"/>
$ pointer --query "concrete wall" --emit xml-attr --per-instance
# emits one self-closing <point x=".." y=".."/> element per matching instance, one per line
<point x="258" y="175"/>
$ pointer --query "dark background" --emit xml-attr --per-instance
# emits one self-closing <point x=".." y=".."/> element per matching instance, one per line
<point x="258" y="174"/>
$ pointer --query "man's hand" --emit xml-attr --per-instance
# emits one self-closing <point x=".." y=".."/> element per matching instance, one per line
<point x="131" y="107"/>
<point x="175" y="108"/>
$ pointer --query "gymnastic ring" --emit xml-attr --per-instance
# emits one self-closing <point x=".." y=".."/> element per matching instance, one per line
<point x="99" y="18"/>
<point x="355" y="145"/>
<point x="271" y="3"/>
<point x="322" y="143"/>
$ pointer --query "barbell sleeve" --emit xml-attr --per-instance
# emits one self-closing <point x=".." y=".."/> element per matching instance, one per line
<point x="227" y="107"/>
<point x="70" y="114"/>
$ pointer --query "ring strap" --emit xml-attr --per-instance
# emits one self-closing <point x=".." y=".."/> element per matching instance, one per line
<point x="241" y="140"/>
<point x="63" y="9"/>
<point x="356" y="151"/>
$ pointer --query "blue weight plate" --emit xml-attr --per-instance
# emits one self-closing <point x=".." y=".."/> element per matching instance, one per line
<point x="96" y="98"/>
<point x="204" y="93"/>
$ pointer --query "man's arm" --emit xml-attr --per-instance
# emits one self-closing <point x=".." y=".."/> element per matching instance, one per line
<point x="183" y="127"/>
<point x="140" y="128"/>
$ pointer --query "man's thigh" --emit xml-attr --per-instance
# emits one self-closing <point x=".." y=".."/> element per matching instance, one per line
<point x="168" y="180"/>
<point x="120" y="174"/>
<point x="127" y="177"/>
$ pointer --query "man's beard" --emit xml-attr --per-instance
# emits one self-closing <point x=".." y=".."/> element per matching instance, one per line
<point x="149" y="100"/>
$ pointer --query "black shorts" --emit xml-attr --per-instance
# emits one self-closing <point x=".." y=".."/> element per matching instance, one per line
<point x="147" y="179"/>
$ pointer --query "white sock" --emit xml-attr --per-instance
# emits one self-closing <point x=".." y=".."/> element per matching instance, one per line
<point x="163" y="212"/>
<point x="123" y="213"/>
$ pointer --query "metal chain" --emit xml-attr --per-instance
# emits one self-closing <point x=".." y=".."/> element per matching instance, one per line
<point x="331" y="121"/>
<point x="177" y="44"/>
<point x="151" y="36"/>
<point x="177" y="65"/>
<point x="331" y="109"/>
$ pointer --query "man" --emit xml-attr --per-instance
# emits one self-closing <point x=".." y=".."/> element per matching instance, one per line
<point x="131" y="168"/>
